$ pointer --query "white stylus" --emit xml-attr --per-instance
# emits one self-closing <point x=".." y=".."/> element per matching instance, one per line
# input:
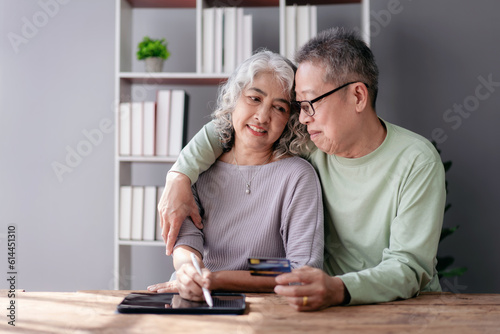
<point x="206" y="293"/>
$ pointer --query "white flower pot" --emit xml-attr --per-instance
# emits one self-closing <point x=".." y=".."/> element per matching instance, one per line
<point x="154" y="64"/>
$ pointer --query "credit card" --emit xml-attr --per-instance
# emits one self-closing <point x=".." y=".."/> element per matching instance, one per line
<point x="268" y="266"/>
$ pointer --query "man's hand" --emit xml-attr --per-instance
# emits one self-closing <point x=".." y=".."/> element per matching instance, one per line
<point x="312" y="289"/>
<point x="175" y="205"/>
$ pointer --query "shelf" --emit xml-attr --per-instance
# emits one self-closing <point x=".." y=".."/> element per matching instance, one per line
<point x="320" y="2"/>
<point x="210" y="3"/>
<point x="147" y="159"/>
<point x="183" y="19"/>
<point x="140" y="243"/>
<point x="243" y="3"/>
<point x="162" y="3"/>
<point x="164" y="78"/>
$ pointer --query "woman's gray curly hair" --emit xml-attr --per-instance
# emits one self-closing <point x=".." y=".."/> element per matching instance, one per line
<point x="294" y="137"/>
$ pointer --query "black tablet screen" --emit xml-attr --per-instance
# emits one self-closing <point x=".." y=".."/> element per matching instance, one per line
<point x="224" y="303"/>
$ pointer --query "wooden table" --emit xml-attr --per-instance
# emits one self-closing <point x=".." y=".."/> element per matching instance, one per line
<point x="95" y="312"/>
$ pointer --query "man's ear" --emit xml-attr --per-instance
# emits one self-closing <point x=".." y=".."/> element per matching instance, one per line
<point x="361" y="96"/>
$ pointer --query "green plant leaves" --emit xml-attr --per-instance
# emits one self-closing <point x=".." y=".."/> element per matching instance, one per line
<point x="152" y="48"/>
<point x="447" y="165"/>
<point x="446" y="231"/>
<point x="445" y="261"/>
<point x="453" y="272"/>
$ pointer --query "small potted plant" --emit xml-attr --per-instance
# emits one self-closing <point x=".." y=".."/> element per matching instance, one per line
<point x="154" y="52"/>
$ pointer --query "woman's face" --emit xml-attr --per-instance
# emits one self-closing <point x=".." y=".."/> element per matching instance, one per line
<point x="261" y="113"/>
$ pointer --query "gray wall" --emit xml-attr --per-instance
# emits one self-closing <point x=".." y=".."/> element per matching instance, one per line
<point x="433" y="56"/>
<point x="55" y="84"/>
<point x="59" y="84"/>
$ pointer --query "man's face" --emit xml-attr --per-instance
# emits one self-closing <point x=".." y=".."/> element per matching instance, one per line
<point x="332" y="128"/>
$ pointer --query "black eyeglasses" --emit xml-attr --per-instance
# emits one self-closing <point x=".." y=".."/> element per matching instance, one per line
<point x="307" y="106"/>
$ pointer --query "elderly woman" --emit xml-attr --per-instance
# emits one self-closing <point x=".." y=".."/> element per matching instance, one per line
<point x="258" y="199"/>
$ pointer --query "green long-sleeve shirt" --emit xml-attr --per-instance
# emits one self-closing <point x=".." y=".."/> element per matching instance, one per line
<point x="383" y="212"/>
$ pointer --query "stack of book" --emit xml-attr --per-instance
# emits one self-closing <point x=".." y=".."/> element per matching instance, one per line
<point x="301" y="24"/>
<point x="139" y="218"/>
<point x="153" y="129"/>
<point x="227" y="39"/>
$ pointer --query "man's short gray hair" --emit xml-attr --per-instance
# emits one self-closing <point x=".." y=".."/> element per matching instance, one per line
<point x="294" y="137"/>
<point x="345" y="56"/>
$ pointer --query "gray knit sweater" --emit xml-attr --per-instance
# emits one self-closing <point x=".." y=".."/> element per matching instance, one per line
<point x="281" y="217"/>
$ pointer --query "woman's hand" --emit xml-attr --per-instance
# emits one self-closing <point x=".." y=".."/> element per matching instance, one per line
<point x="176" y="203"/>
<point x="164" y="287"/>
<point x="190" y="282"/>
<point x="312" y="289"/>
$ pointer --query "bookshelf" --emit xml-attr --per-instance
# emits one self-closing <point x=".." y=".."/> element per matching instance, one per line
<point x="183" y="70"/>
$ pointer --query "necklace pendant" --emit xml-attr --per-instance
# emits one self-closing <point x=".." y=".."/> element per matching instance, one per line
<point x="247" y="183"/>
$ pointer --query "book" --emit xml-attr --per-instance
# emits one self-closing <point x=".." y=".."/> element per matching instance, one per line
<point x="230" y="31"/>
<point x="247" y="36"/>
<point x="218" y="39"/>
<point x="149" y="113"/>
<point x="303" y="25"/>
<point x="313" y="31"/>
<point x="159" y="192"/>
<point x="124" y="129"/>
<point x="240" y="36"/>
<point x="125" y="219"/>
<point x="208" y="39"/>
<point x="149" y="224"/>
<point x="177" y="115"/>
<point x="290" y="31"/>
<point x="137" y="213"/>
<point x="162" y="121"/>
<point x="136" y="126"/>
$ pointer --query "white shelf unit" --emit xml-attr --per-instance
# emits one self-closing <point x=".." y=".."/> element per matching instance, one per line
<point x="127" y="77"/>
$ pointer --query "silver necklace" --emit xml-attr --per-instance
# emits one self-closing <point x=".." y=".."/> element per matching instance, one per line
<point x="249" y="183"/>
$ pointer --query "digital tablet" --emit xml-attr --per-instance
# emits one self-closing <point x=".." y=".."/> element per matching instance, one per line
<point x="172" y="303"/>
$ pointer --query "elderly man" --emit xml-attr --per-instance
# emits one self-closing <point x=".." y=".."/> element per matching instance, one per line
<point x="383" y="186"/>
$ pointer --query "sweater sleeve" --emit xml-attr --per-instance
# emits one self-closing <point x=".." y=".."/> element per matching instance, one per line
<point x="302" y="225"/>
<point x="189" y="234"/>
<point x="408" y="263"/>
<point x="199" y="154"/>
